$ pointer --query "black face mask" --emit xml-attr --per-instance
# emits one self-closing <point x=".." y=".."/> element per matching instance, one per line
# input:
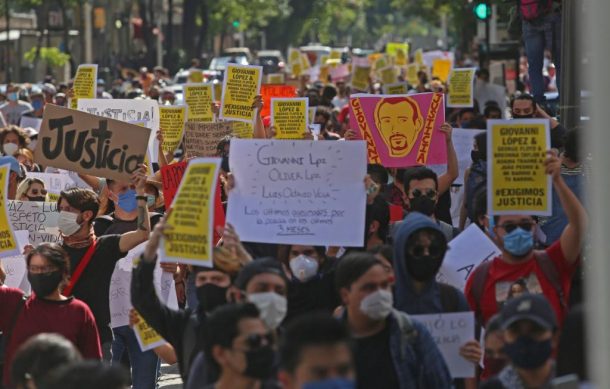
<point x="475" y="155"/>
<point x="527" y="353"/>
<point x="423" y="267"/>
<point x="43" y="284"/>
<point x="422" y="204"/>
<point x="259" y="363"/>
<point x="211" y="296"/>
<point x="530" y="116"/>
<point x="37" y="198"/>
<point x="224" y="164"/>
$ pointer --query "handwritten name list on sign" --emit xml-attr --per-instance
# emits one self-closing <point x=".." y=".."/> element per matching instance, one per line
<point x="298" y="192"/>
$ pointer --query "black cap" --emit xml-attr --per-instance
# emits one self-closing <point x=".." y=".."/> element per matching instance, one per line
<point x="256" y="267"/>
<point x="533" y="307"/>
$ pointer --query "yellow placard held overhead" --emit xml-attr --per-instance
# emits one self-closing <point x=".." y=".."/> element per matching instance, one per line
<point x="461" y="82"/>
<point x="441" y="67"/>
<point x="171" y="122"/>
<point x="360" y="77"/>
<point x="243" y="130"/>
<point x="399" y="88"/>
<point x="217" y="91"/>
<point x="419" y="57"/>
<point x="412" y="70"/>
<point x="305" y="62"/>
<point x="241" y="85"/>
<point x="335" y="54"/>
<point x="294" y="56"/>
<point x="195" y="76"/>
<point x="8" y="242"/>
<point x="199" y="99"/>
<point x="297" y="69"/>
<point x="388" y="75"/>
<point x="517" y="182"/>
<point x="276" y="78"/>
<point x="381" y="62"/>
<point x="399" y="51"/>
<point x="191" y="220"/>
<point x="147" y="337"/>
<point x="324" y="73"/>
<point x="289" y="117"/>
<point x="85" y="84"/>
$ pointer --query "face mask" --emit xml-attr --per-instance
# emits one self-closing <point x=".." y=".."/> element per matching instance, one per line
<point x="67" y="223"/>
<point x="259" y="362"/>
<point x="527" y="353"/>
<point x="37" y="198"/>
<point x="10" y="149"/>
<point x="224" y="164"/>
<point x="44" y="284"/>
<point x="150" y="201"/>
<point x="422" y="204"/>
<point x="32" y="145"/>
<point x="518" y="242"/>
<point x="423" y="268"/>
<point x="304" y="268"/>
<point x="211" y="296"/>
<point x="494" y="365"/>
<point x="331" y="383"/>
<point x="13" y="96"/>
<point x="37" y="104"/>
<point x="272" y="307"/>
<point x="530" y="116"/>
<point x="127" y="201"/>
<point x="377" y="305"/>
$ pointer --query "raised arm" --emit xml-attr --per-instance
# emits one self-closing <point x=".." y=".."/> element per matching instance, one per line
<point x="94" y="182"/>
<point x="131" y="239"/>
<point x="259" y="127"/>
<point x="445" y="180"/>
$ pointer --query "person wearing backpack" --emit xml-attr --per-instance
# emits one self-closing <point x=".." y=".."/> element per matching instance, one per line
<point x="475" y="179"/>
<point x="391" y="349"/>
<point x="541" y="29"/>
<point x="547" y="272"/>
<point x="419" y="249"/>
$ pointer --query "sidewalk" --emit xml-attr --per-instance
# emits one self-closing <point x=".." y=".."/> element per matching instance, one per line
<point x="170" y="378"/>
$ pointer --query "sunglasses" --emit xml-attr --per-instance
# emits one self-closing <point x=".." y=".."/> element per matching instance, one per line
<point x="435" y="249"/>
<point x="256" y="341"/>
<point x="510" y="227"/>
<point x="35" y="192"/>
<point x="430" y="193"/>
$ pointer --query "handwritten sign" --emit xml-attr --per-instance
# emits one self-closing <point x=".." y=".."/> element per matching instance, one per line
<point x="199" y="99"/>
<point x="400" y="130"/>
<point x="289" y="117"/>
<point x="360" y="77"/>
<point x="85" y="83"/>
<point x="466" y="251"/>
<point x="516" y="179"/>
<point x="8" y="242"/>
<point x="298" y="192"/>
<point x="270" y="91"/>
<point x="54" y="183"/>
<point x="190" y="240"/>
<point x="15" y="266"/>
<point x="172" y="118"/>
<point x="82" y="142"/>
<point x="240" y="87"/>
<point x="243" y="130"/>
<point x="201" y="139"/>
<point x="399" y="88"/>
<point x="40" y="219"/>
<point x="450" y="331"/>
<point x="171" y="176"/>
<point x="461" y="88"/>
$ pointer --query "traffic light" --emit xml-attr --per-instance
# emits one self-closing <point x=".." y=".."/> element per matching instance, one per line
<point x="482" y="10"/>
<point x="236" y="23"/>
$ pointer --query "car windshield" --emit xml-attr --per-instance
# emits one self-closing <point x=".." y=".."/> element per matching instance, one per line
<point x="220" y="63"/>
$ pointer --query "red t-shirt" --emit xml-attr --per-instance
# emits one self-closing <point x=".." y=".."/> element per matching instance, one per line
<point x="70" y="318"/>
<point x="505" y="278"/>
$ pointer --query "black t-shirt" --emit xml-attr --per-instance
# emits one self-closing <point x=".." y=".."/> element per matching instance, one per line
<point x="110" y="224"/>
<point x="374" y="362"/>
<point x="93" y="286"/>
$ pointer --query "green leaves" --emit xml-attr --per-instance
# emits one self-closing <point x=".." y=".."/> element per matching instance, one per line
<point x="51" y="55"/>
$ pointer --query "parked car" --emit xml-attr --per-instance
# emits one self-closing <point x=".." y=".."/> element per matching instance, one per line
<point x="238" y="52"/>
<point x="272" y="61"/>
<point x="315" y="52"/>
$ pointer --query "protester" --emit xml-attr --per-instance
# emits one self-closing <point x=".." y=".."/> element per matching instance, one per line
<point x="14" y="108"/>
<point x="524" y="106"/>
<point x="16" y="175"/>
<point x="475" y="178"/>
<point x="31" y="189"/>
<point x="12" y="139"/>
<point x="495" y="358"/>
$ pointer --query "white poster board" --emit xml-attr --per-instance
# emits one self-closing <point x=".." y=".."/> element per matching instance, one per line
<point x="463" y="140"/>
<point x="40" y="219"/>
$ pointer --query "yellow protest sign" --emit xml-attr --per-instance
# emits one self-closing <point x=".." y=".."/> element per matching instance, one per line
<point x="85" y="84"/>
<point x="289" y="117"/>
<point x="381" y="62"/>
<point x="412" y="70"/>
<point x="323" y="59"/>
<point x="190" y="237"/>
<point x="305" y="62"/>
<point x="461" y="83"/>
<point x="8" y="242"/>
<point x="199" y="99"/>
<point x="360" y="77"/>
<point x="441" y="67"/>
<point x="171" y="122"/>
<point x="399" y="51"/>
<point x="419" y="57"/>
<point x="276" y="78"/>
<point x="147" y="337"/>
<point x="324" y="73"/>
<point x="517" y="183"/>
<point x="296" y="69"/>
<point x="335" y="54"/>
<point x="195" y="76"/>
<point x="398" y="88"/>
<point x="388" y="75"/>
<point x="294" y="56"/>
<point x="240" y="87"/>
<point x="243" y="130"/>
<point x="217" y="91"/>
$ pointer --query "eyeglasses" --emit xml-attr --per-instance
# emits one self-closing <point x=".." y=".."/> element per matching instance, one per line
<point x="35" y="269"/>
<point x="35" y="192"/>
<point x="430" y="193"/>
<point x="510" y="227"/>
<point x="255" y="341"/>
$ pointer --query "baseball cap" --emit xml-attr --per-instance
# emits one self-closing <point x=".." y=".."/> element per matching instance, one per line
<point x="258" y="266"/>
<point x="532" y="307"/>
<point x="12" y="161"/>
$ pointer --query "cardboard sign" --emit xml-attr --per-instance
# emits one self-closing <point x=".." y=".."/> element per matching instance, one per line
<point x="360" y="78"/>
<point x="298" y="192"/>
<point x="272" y="90"/>
<point x="85" y="84"/>
<point x="399" y="88"/>
<point x="451" y="331"/>
<point x="441" y="68"/>
<point x="240" y="87"/>
<point x="289" y="117"/>
<point x="172" y="118"/>
<point x="276" y="78"/>
<point x="171" y="176"/>
<point x="243" y="130"/>
<point x="86" y="143"/>
<point x="201" y="139"/>
<point x="466" y="251"/>
<point x="400" y="130"/>
<point x="199" y="99"/>
<point x="461" y="88"/>
<point x="516" y="179"/>
<point x="39" y="219"/>
<point x="190" y="240"/>
<point x="8" y="242"/>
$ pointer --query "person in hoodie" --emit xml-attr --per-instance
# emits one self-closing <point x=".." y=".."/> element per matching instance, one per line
<point x="419" y="249"/>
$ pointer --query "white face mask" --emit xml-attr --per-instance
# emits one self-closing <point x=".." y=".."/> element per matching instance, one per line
<point x="377" y="305"/>
<point x="67" y="223"/>
<point x="10" y="149"/>
<point x="303" y="267"/>
<point x="32" y="145"/>
<point x="272" y="307"/>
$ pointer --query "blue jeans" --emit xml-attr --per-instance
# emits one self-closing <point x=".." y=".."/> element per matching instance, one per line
<point x="144" y="365"/>
<point x="539" y="35"/>
<point x="192" y="301"/>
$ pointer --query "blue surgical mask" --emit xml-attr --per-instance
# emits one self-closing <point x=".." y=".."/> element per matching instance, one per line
<point x="128" y="201"/>
<point x="331" y="383"/>
<point x="37" y="104"/>
<point x="519" y="242"/>
<point x="13" y="96"/>
<point x="150" y="201"/>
